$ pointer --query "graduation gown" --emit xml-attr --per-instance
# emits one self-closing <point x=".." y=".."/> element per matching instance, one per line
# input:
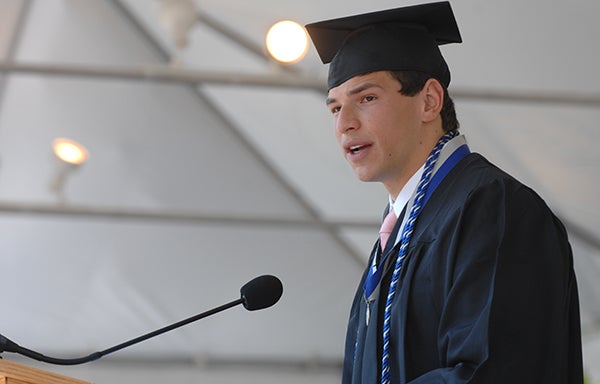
<point x="487" y="293"/>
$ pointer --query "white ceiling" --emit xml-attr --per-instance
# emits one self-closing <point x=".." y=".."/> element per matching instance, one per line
<point x="202" y="177"/>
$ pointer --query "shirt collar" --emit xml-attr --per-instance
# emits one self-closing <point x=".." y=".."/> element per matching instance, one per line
<point x="407" y="191"/>
<point x="410" y="187"/>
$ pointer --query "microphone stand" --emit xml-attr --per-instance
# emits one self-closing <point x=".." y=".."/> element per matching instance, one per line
<point x="7" y="345"/>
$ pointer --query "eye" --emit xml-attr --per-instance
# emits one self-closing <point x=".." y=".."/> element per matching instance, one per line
<point x="368" y="98"/>
<point x="335" y="109"/>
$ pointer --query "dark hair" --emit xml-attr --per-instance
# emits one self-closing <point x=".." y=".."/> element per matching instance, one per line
<point x="413" y="82"/>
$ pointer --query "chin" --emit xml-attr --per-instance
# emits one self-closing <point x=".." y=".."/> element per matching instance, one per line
<point x="363" y="176"/>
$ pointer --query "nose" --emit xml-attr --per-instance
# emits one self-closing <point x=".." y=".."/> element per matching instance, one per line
<point x="346" y="120"/>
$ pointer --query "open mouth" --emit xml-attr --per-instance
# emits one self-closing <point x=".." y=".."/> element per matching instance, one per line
<point x="356" y="148"/>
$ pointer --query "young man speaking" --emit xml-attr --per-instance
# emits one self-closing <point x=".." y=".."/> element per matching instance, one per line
<point x="471" y="280"/>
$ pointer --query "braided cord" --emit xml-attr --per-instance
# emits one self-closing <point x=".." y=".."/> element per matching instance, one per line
<point x="404" y="242"/>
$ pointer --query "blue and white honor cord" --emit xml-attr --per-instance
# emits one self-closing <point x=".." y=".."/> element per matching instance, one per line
<point x="404" y="242"/>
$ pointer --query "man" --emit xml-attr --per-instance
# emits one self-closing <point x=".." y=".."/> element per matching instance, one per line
<point x="476" y="282"/>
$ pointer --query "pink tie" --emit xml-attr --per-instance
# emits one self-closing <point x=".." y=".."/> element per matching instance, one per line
<point x="386" y="228"/>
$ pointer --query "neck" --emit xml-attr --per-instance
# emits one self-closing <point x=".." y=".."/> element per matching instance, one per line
<point x="429" y="140"/>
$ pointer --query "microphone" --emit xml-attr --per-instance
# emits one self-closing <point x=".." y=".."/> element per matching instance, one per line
<point x="259" y="293"/>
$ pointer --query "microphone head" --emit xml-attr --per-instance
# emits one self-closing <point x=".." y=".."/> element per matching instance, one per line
<point x="261" y="292"/>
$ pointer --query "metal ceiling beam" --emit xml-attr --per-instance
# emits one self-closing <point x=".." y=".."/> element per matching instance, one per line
<point x="532" y="97"/>
<point x="169" y="74"/>
<point x="180" y="217"/>
<point x="163" y="74"/>
<point x="242" y="41"/>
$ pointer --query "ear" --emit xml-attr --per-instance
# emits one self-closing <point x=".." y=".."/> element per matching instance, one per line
<point x="433" y="100"/>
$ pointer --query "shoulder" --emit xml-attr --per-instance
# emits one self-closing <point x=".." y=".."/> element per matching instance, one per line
<point x="475" y="176"/>
<point x="476" y="189"/>
<point x="480" y="189"/>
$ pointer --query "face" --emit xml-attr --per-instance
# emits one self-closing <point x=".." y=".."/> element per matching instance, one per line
<point x="379" y="129"/>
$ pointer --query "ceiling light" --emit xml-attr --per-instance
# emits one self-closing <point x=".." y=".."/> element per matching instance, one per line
<point x="287" y="41"/>
<point x="69" y="151"/>
<point x="178" y="17"/>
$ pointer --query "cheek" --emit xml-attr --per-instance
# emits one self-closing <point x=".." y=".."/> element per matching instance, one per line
<point x="336" y="132"/>
<point x="338" y="137"/>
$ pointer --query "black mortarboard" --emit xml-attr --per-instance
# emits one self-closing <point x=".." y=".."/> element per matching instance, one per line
<point x="397" y="39"/>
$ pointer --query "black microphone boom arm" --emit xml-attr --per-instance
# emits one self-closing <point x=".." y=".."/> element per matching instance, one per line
<point x="259" y="293"/>
<point x="7" y="345"/>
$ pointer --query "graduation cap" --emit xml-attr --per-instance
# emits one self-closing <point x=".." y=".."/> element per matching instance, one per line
<point x="400" y="39"/>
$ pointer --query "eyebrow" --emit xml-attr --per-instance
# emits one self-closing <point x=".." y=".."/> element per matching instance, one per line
<point x="354" y="91"/>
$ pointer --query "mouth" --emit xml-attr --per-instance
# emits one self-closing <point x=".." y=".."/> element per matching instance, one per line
<point x="354" y="149"/>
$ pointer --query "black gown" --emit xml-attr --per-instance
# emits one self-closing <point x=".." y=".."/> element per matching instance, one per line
<point x="487" y="293"/>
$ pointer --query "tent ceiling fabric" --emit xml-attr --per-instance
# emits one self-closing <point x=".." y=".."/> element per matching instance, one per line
<point x="192" y="189"/>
